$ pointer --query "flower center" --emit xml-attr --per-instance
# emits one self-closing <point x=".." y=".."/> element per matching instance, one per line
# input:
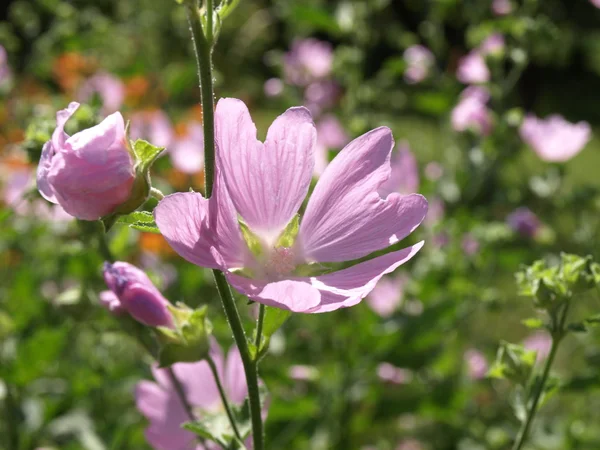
<point x="281" y="261"/>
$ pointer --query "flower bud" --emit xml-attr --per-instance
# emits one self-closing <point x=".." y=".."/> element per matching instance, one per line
<point x="91" y="173"/>
<point x="136" y="295"/>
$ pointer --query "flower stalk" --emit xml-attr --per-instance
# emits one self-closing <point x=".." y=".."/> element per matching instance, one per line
<point x="203" y="43"/>
<point x="215" y="372"/>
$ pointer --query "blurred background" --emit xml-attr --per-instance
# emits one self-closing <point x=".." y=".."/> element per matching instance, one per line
<point x="466" y="86"/>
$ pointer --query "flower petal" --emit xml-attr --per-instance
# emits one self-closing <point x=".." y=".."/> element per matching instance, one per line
<point x="267" y="183"/>
<point x="43" y="170"/>
<point x="346" y="218"/>
<point x="293" y="295"/>
<point x="235" y="377"/>
<point x="183" y="221"/>
<point x="94" y="144"/>
<point x="59" y="136"/>
<point x="349" y="286"/>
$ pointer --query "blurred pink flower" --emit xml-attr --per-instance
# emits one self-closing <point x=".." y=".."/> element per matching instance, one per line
<point x="265" y="184"/>
<point x="477" y="365"/>
<point x="419" y="61"/>
<point x="308" y="60"/>
<point x="109" y="88"/>
<point x="321" y="95"/>
<point x="596" y="3"/>
<point x="303" y="373"/>
<point x="493" y="44"/>
<point x="469" y="244"/>
<point x="539" y="342"/>
<point x="554" y="139"/>
<point x="433" y="171"/>
<point x="392" y="374"/>
<point x="471" y="112"/>
<point x="136" y="294"/>
<point x="160" y="404"/>
<point x="273" y="87"/>
<point x="330" y="136"/>
<point x="502" y="7"/>
<point x="435" y="212"/>
<point x="90" y="173"/>
<point x="153" y="126"/>
<point x="410" y="444"/>
<point x="472" y="69"/>
<point x="187" y="152"/>
<point x="404" y="177"/>
<point x="5" y="73"/>
<point x="387" y="296"/>
<point x="524" y="222"/>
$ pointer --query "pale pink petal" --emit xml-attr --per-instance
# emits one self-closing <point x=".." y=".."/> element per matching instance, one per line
<point x="387" y="295"/>
<point x="293" y="295"/>
<point x="199" y="384"/>
<point x="346" y="218"/>
<point x="235" y="377"/>
<point x="59" y="136"/>
<point x="43" y="170"/>
<point x="349" y="286"/>
<point x="267" y="183"/>
<point x="94" y="144"/>
<point x="183" y="221"/>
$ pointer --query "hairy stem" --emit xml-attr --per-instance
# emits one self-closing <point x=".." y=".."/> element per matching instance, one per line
<point x="259" y="327"/>
<point x="180" y="393"/>
<point x="157" y="194"/>
<point x="203" y="44"/>
<point x="557" y="336"/>
<point x="215" y="372"/>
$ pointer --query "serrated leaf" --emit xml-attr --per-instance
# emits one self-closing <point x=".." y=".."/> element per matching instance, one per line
<point x="137" y="217"/>
<point x="147" y="228"/>
<point x="146" y="153"/>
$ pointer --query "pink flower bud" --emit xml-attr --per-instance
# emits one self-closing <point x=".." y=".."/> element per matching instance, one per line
<point x="136" y="294"/>
<point x="90" y="173"/>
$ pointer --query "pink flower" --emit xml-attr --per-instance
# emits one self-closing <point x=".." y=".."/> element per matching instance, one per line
<point x="596" y="3"/>
<point x="502" y="7"/>
<point x="539" y="342"/>
<point x="524" y="222"/>
<point x="392" y="374"/>
<point x="469" y="244"/>
<point x="472" y="69"/>
<point x="436" y="212"/>
<point x="477" y="365"/>
<point x="320" y="95"/>
<point x="109" y="88"/>
<point x="90" y="173"/>
<point x="330" y="135"/>
<point x="273" y="87"/>
<point x="471" y="112"/>
<point x="5" y="73"/>
<point x="187" y="152"/>
<point x="160" y="404"/>
<point x="135" y="293"/>
<point x="387" y="295"/>
<point x="554" y="139"/>
<point x="404" y="177"/>
<point x="419" y="61"/>
<point x="264" y="184"/>
<point x="308" y="60"/>
<point x="303" y="373"/>
<point x="493" y="44"/>
<point x="153" y="126"/>
<point x="434" y="171"/>
<point x="410" y="444"/>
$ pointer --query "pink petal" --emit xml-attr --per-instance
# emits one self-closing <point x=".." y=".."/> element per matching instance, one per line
<point x="346" y="218"/>
<point x="43" y="170"/>
<point x="59" y="136"/>
<point x="267" y="183"/>
<point x="235" y="377"/>
<point x="93" y="144"/>
<point x="183" y="221"/>
<point x="348" y="287"/>
<point x="293" y="295"/>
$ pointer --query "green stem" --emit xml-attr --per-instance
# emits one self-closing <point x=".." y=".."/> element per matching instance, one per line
<point x="203" y="51"/>
<point x="250" y="366"/>
<point x="203" y="44"/>
<point x="557" y="336"/>
<point x="12" y="412"/>
<point x="157" y="194"/>
<point x="215" y="372"/>
<point x="180" y="393"/>
<point x="259" y="328"/>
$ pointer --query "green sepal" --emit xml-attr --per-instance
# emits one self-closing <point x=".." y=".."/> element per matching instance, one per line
<point x="189" y="340"/>
<point x="252" y="241"/>
<point x="288" y="235"/>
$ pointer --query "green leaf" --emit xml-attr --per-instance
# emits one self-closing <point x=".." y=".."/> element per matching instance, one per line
<point x="146" y="153"/>
<point x="274" y="319"/>
<point x="593" y="320"/>
<point x="533" y="323"/>
<point x="577" y="327"/>
<point x="226" y="7"/>
<point x="140" y="220"/>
